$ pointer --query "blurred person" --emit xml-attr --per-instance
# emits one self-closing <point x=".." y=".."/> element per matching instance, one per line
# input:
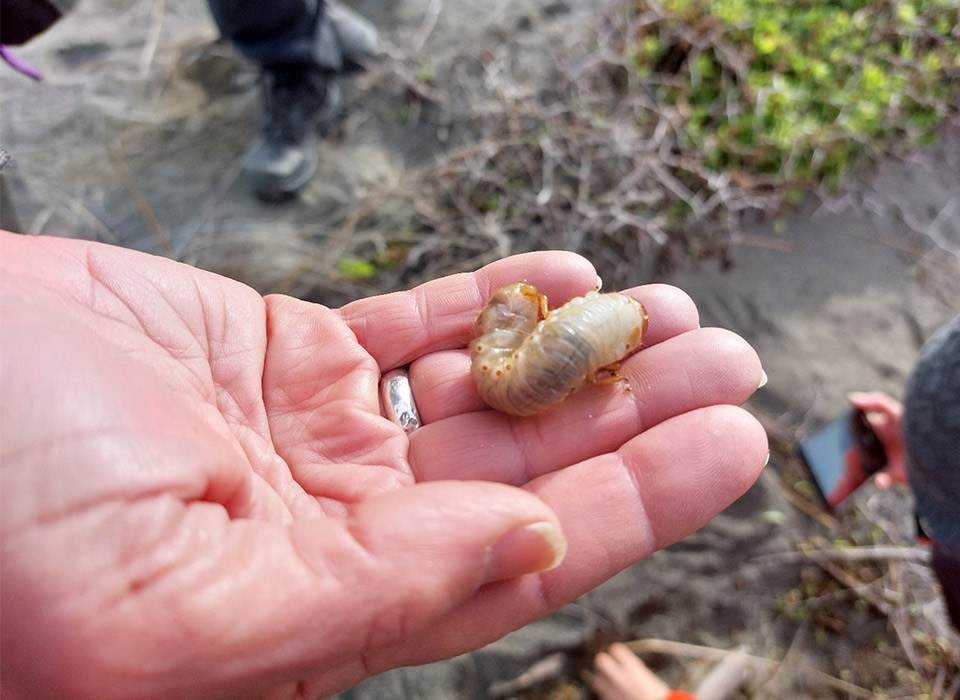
<point x="922" y="441"/>
<point x="205" y="492"/>
<point x="301" y="47"/>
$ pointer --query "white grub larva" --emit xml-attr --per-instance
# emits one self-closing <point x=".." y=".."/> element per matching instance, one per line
<point x="525" y="358"/>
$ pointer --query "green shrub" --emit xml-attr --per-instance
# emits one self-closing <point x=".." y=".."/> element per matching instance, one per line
<point x="676" y="122"/>
<point x="800" y="91"/>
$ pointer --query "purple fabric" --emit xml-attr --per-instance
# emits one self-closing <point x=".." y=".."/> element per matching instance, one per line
<point x="19" y="65"/>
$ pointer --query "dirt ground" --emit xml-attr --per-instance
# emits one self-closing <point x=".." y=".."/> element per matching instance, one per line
<point x="136" y="137"/>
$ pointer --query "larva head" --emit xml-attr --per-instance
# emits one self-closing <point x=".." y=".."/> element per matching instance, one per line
<point x="514" y="307"/>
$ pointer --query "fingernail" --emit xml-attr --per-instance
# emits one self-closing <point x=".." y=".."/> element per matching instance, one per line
<point x="526" y="550"/>
<point x="766" y="462"/>
<point x="763" y="379"/>
<point x="599" y="284"/>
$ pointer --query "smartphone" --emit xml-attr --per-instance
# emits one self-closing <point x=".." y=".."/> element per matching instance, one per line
<point x="842" y="455"/>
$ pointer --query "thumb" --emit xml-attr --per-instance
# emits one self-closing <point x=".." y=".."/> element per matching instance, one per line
<point x="474" y="532"/>
<point x="402" y="560"/>
<point x="413" y="554"/>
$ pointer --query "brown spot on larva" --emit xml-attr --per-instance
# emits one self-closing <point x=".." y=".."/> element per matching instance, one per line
<point x="479" y="348"/>
<point x="499" y="373"/>
<point x="508" y="367"/>
<point x="484" y="368"/>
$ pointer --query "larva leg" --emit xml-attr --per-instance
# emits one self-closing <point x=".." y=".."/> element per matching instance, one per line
<point x="544" y="310"/>
<point x="530" y="292"/>
<point x="609" y="374"/>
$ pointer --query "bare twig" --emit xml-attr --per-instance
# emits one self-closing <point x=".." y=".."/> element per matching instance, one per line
<point x="74" y="205"/>
<point x="799" y="637"/>
<point x="724" y="679"/>
<point x="426" y="25"/>
<point x="809" y="509"/>
<point x="847" y="554"/>
<point x="160" y="233"/>
<point x="153" y="38"/>
<point x="545" y="669"/>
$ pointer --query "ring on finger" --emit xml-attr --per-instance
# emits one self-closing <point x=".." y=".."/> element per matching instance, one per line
<point x="396" y="400"/>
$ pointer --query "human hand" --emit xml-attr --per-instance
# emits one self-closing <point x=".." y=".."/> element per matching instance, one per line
<point x="884" y="414"/>
<point x="621" y="675"/>
<point x="200" y="498"/>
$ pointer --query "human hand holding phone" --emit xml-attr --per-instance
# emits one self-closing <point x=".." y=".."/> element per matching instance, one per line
<point x="884" y="414"/>
<point x="865" y="441"/>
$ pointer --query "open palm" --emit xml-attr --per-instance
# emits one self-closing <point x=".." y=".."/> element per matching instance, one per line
<point x="200" y="497"/>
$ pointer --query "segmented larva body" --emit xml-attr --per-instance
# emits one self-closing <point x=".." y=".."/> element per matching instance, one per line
<point x="525" y="359"/>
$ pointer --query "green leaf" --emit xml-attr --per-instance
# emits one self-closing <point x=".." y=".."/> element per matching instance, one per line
<point x="356" y="268"/>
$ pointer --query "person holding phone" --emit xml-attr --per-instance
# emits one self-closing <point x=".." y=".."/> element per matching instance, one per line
<point x="863" y="455"/>
<point x="921" y="438"/>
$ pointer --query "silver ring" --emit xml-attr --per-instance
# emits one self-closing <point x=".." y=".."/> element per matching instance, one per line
<point x="396" y="399"/>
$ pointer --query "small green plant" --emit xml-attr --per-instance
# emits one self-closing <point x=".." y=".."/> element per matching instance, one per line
<point x="685" y="119"/>
<point x="356" y="268"/>
<point x="427" y="72"/>
<point x="368" y="261"/>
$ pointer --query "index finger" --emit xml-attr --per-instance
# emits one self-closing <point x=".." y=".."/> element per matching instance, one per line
<point x="398" y="328"/>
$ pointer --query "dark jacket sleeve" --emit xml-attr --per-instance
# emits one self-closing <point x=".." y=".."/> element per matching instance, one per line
<point x="21" y="20"/>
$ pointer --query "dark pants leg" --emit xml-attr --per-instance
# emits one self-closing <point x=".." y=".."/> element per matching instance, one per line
<point x="947" y="568"/>
<point x="271" y="32"/>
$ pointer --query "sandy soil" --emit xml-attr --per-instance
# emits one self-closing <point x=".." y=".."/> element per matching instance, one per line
<point x="136" y="137"/>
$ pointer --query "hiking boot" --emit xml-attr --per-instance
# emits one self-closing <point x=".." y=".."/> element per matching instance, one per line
<point x="299" y="100"/>
<point x="302" y="99"/>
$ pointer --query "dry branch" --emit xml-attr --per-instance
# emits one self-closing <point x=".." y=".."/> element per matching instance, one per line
<point x="849" y="554"/>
